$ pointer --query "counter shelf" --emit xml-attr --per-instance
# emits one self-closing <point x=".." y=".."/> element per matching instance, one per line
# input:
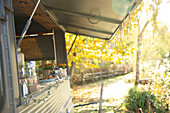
<point x="45" y="87"/>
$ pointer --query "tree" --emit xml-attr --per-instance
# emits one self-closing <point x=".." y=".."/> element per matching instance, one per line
<point x="154" y="7"/>
<point x="93" y="53"/>
<point x="139" y="51"/>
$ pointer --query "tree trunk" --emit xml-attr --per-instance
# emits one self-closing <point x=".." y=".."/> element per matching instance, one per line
<point x="122" y="30"/>
<point x="138" y="59"/>
<point x="73" y="64"/>
<point x="139" y="52"/>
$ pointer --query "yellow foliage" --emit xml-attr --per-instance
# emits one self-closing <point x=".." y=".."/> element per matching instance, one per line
<point x="92" y="51"/>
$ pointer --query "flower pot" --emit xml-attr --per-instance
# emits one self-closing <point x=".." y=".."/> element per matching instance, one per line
<point x="45" y="73"/>
<point x="57" y="71"/>
<point x="65" y="71"/>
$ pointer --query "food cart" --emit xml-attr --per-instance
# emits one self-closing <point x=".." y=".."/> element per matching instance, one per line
<point x="33" y="30"/>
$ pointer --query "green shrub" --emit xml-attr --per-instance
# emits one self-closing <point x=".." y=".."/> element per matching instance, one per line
<point x="139" y="99"/>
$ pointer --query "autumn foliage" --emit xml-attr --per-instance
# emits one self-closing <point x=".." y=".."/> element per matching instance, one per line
<point x="93" y="52"/>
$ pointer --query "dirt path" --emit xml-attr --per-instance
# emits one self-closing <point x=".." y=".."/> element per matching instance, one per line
<point x="114" y="92"/>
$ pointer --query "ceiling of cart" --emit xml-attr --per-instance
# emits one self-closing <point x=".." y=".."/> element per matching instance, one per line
<point x="94" y="18"/>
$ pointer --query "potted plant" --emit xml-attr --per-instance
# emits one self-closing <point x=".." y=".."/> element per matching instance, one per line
<point x="62" y="67"/>
<point x="46" y="69"/>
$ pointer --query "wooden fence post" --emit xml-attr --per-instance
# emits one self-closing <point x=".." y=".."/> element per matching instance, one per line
<point x="82" y="78"/>
<point x="100" y="75"/>
<point x="108" y="73"/>
<point x="100" y="102"/>
<point x="92" y="75"/>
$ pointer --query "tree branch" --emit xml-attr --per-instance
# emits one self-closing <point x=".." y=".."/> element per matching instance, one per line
<point x="144" y="27"/>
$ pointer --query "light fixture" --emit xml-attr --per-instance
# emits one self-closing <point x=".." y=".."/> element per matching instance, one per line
<point x="23" y="2"/>
<point x="37" y="14"/>
<point x="46" y="22"/>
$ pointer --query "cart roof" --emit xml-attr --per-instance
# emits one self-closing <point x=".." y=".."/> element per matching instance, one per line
<point x="94" y="18"/>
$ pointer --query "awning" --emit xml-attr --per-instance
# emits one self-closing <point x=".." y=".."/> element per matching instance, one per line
<point x="94" y="18"/>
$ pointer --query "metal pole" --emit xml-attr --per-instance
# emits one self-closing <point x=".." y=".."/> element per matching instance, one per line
<point x="101" y="93"/>
<point x="27" y="25"/>
<point x="54" y="45"/>
<point x="72" y="44"/>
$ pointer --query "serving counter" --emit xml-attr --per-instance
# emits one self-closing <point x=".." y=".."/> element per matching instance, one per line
<point x="49" y="98"/>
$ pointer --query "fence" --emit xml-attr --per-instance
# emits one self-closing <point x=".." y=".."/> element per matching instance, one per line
<point x="118" y="69"/>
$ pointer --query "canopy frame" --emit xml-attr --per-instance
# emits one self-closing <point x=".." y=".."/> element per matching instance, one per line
<point x="24" y="31"/>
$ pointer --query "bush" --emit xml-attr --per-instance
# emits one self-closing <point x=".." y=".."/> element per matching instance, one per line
<point x="139" y="99"/>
